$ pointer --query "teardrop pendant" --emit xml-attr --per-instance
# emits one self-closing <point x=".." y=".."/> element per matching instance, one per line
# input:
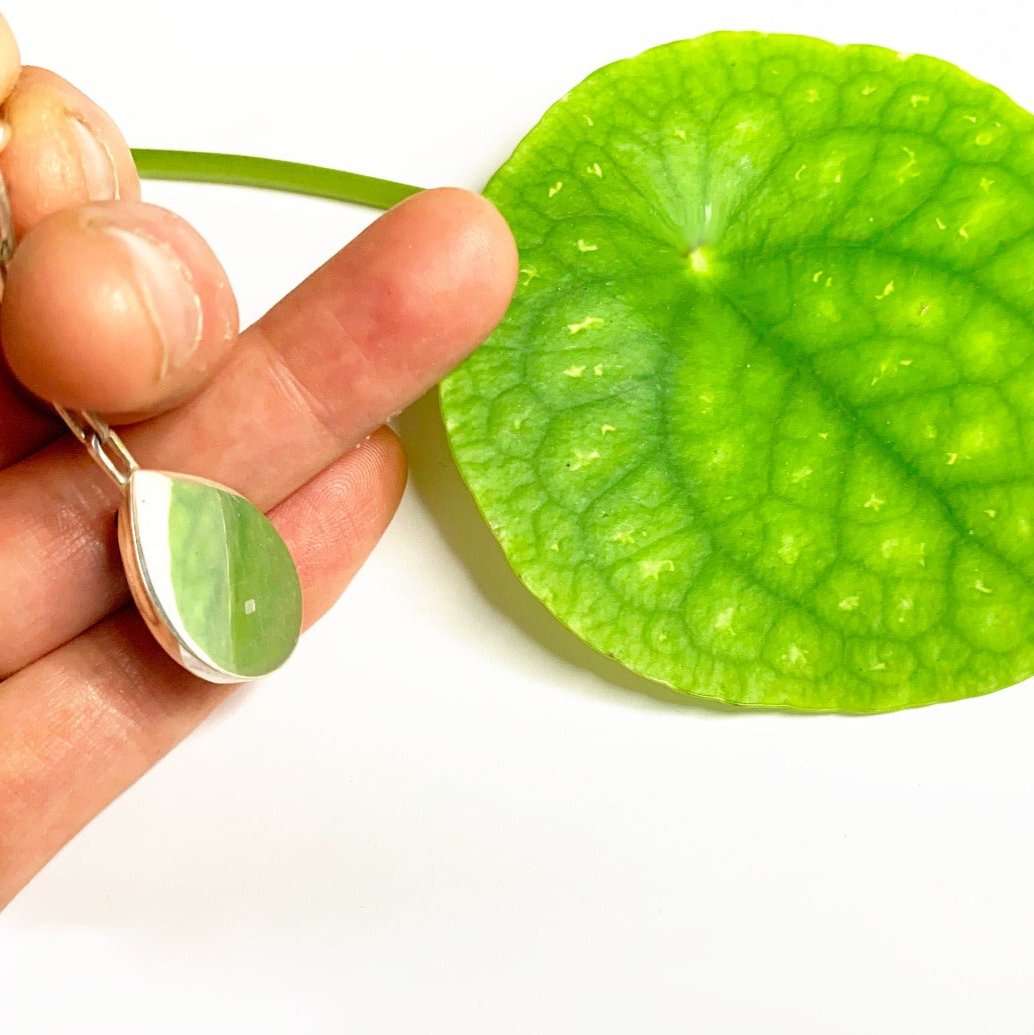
<point x="209" y="573"/>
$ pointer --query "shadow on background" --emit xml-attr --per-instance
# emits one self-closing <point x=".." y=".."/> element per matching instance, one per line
<point x="434" y="476"/>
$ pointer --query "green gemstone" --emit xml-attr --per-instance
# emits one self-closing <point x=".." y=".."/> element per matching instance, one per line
<point x="217" y="572"/>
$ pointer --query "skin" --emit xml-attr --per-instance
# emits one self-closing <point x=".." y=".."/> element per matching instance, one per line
<point x="291" y="412"/>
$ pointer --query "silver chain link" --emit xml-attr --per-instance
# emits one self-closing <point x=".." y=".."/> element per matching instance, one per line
<point x="103" y="444"/>
<point x="6" y="227"/>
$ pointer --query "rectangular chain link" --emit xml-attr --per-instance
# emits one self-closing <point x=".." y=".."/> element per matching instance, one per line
<point x="103" y="444"/>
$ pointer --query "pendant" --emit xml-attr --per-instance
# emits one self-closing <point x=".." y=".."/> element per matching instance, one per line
<point x="209" y="573"/>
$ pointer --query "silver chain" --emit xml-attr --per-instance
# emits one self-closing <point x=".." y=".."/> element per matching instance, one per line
<point x="6" y="227"/>
<point x="102" y="443"/>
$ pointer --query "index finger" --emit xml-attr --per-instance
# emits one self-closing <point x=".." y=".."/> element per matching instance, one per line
<point x="53" y="122"/>
<point x="24" y="427"/>
<point x="10" y="59"/>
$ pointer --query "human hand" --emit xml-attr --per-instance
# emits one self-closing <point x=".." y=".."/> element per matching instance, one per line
<point x="120" y="307"/>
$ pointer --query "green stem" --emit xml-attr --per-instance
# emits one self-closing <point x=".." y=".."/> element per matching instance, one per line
<point x="270" y="174"/>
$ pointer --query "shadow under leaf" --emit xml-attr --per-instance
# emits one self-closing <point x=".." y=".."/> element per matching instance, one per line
<point x="434" y="476"/>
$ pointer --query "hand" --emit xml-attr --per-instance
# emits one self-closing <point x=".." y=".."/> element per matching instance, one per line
<point x="120" y="307"/>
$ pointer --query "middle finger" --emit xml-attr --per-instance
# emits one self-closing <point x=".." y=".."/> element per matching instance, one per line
<point x="356" y="342"/>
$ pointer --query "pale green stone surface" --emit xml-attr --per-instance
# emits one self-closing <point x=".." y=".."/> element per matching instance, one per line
<point x="225" y="580"/>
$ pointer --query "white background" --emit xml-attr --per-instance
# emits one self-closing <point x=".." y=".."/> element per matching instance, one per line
<point x="447" y="815"/>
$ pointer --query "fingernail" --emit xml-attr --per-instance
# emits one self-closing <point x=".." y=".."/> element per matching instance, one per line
<point x="166" y="290"/>
<point x="96" y="159"/>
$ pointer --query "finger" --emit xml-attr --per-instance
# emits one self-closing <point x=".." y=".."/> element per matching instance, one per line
<point x="360" y="339"/>
<point x="10" y="59"/>
<point x="116" y="307"/>
<point x="82" y="724"/>
<point x="58" y="150"/>
<point x="63" y="150"/>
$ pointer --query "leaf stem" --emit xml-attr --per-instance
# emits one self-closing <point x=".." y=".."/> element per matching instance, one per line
<point x="270" y="174"/>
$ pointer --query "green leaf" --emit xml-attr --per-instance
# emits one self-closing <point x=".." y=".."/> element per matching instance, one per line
<point x="759" y="422"/>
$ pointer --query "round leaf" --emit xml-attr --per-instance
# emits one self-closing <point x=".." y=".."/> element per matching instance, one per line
<point x="759" y="421"/>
